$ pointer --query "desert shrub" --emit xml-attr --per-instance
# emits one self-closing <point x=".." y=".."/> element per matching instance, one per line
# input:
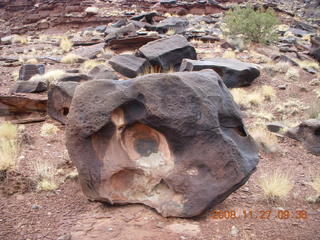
<point x="267" y="141"/>
<point x="48" y="129"/>
<point x="8" y="145"/>
<point x="276" y="185"/>
<point x="255" y="25"/>
<point x="50" y="77"/>
<point x="45" y="175"/>
<point x="71" y="58"/>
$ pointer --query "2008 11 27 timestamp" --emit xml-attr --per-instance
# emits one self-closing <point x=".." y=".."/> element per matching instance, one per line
<point x="259" y="214"/>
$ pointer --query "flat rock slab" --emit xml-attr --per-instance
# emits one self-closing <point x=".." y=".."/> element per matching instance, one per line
<point x="168" y="52"/>
<point x="174" y="142"/>
<point x="130" y="42"/>
<point x="28" y="70"/>
<point x="233" y="72"/>
<point x="29" y="87"/>
<point x="24" y="103"/>
<point x="128" y="65"/>
<point x="89" y="52"/>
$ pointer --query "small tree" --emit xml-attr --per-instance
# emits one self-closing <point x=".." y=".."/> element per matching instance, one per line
<point x="254" y="25"/>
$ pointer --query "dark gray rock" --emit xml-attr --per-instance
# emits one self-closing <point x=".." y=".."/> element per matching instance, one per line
<point x="128" y="30"/>
<point x="29" y="87"/>
<point x="275" y="127"/>
<point x="233" y="72"/>
<point x="102" y="72"/>
<point x="101" y="28"/>
<point x="120" y="23"/>
<point x="128" y="65"/>
<point x="74" y="77"/>
<point x="28" y="70"/>
<point x="175" y="142"/>
<point x="315" y="48"/>
<point x="168" y="52"/>
<point x="304" y="26"/>
<point x="307" y="132"/>
<point x="59" y="100"/>
<point x="178" y="24"/>
<point x="148" y="17"/>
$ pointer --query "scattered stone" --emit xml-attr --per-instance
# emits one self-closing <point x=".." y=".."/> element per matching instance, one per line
<point x="74" y="77"/>
<point x="307" y="132"/>
<point x="178" y="24"/>
<point x="282" y="86"/>
<point x="147" y="16"/>
<point x="233" y="72"/>
<point x="275" y="127"/>
<point x="59" y="100"/>
<point x="315" y="48"/>
<point x="65" y="237"/>
<point x="120" y="23"/>
<point x="89" y="52"/>
<point x="234" y="231"/>
<point x="101" y="28"/>
<point x="128" y="65"/>
<point x="18" y="104"/>
<point x="92" y="10"/>
<point x="128" y="30"/>
<point x="102" y="72"/>
<point x="29" y="87"/>
<point x="35" y="207"/>
<point x="168" y="52"/>
<point x="28" y="70"/>
<point x="131" y="42"/>
<point x="7" y="40"/>
<point x="143" y="132"/>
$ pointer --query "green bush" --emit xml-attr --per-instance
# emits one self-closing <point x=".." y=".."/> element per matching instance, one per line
<point x="254" y="25"/>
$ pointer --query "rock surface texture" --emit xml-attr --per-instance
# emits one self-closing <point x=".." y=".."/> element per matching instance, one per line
<point x="233" y="72"/>
<point x="59" y="100"/>
<point x="175" y="142"/>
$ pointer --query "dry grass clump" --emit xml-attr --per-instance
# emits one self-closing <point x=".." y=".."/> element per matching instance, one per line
<point x="268" y="92"/>
<point x="45" y="175"/>
<point x="71" y="58"/>
<point x="274" y="68"/>
<point x="309" y="64"/>
<point x="266" y="140"/>
<point x="317" y="92"/>
<point x="229" y="54"/>
<point x="259" y="58"/>
<point x="291" y="107"/>
<point x="315" y="184"/>
<point x="8" y="146"/>
<point x="262" y="114"/>
<point x="156" y="69"/>
<point x="246" y="99"/>
<point x="65" y="44"/>
<point x="171" y="31"/>
<point x="20" y="39"/>
<point x="276" y="185"/>
<point x="32" y="61"/>
<point x="48" y="129"/>
<point x="50" y="77"/>
<point x="293" y="74"/>
<point x="89" y="64"/>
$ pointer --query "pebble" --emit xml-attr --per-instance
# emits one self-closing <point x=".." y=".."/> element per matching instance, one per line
<point x="234" y="231"/>
<point x="35" y="207"/>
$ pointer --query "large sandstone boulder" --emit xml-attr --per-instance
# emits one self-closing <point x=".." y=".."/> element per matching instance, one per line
<point x="233" y="72"/>
<point x="308" y="132"/>
<point x="128" y="65"/>
<point x="175" y="142"/>
<point x="168" y="52"/>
